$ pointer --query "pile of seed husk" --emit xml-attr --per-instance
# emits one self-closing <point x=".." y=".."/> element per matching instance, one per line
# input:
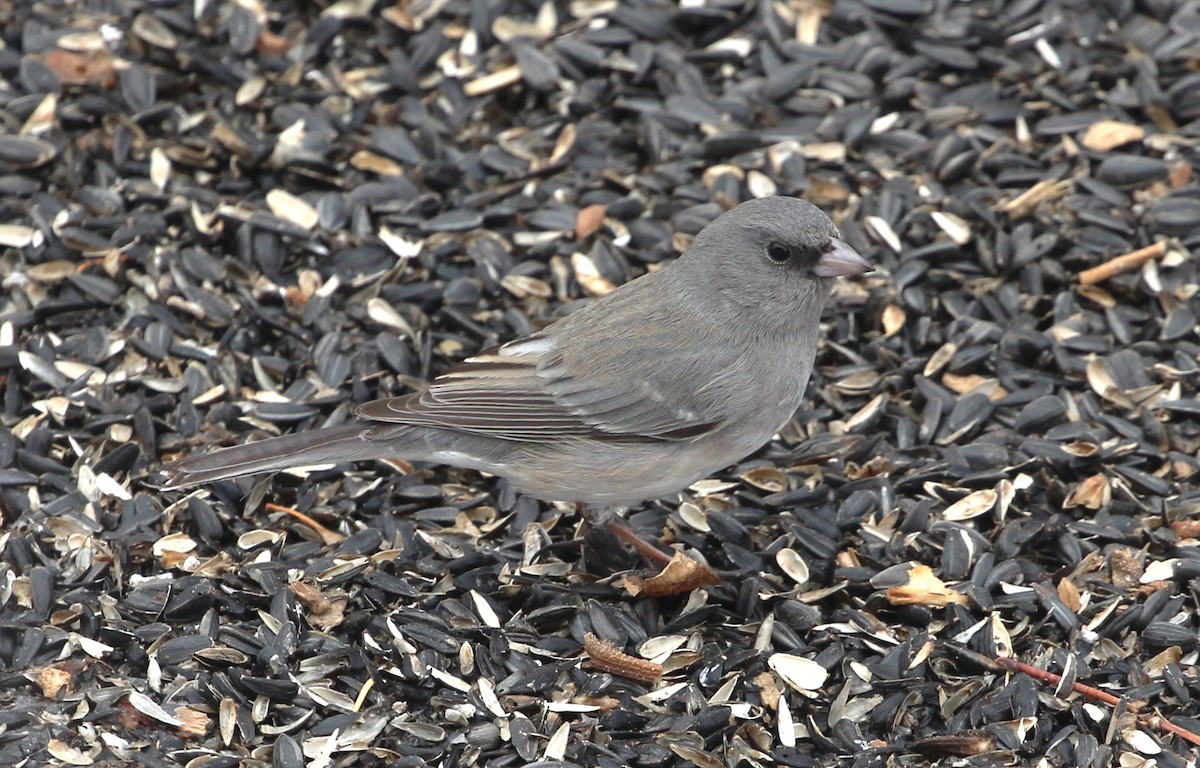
<point x="974" y="545"/>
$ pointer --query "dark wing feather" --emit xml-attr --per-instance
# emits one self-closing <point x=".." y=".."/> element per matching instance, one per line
<point x="494" y="393"/>
<point x="534" y="390"/>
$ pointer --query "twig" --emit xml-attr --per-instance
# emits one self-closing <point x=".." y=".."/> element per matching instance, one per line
<point x="327" y="536"/>
<point x="1050" y="677"/>
<point x="362" y="693"/>
<point x="1154" y="722"/>
<point x="1023" y="204"/>
<point x="1125" y="263"/>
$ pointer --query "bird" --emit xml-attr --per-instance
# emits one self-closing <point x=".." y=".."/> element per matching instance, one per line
<point x="642" y="392"/>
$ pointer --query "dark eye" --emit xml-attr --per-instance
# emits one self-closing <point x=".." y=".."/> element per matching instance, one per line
<point x="778" y="252"/>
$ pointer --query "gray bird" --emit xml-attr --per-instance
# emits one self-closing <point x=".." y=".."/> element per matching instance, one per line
<point x="662" y="382"/>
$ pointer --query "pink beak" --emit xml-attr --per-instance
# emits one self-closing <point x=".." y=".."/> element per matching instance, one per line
<point x="841" y="260"/>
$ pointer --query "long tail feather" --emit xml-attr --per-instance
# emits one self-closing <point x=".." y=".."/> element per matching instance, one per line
<point x="320" y="446"/>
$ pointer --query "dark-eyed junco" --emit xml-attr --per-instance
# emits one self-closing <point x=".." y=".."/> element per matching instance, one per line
<point x="660" y="383"/>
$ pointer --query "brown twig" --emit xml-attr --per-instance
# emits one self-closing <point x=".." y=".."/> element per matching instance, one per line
<point x="1154" y="722"/>
<point x="1157" y="721"/>
<point x="1050" y="677"/>
<point x="1124" y="263"/>
<point x="327" y="536"/>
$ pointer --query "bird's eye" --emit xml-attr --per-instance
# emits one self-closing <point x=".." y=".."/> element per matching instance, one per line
<point x="778" y="252"/>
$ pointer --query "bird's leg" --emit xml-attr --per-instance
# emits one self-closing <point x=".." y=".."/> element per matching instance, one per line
<point x="611" y="518"/>
<point x="621" y="530"/>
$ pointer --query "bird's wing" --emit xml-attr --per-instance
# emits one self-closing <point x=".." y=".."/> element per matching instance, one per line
<point x="538" y="389"/>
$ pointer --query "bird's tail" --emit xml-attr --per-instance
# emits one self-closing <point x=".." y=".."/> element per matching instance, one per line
<point x="350" y="442"/>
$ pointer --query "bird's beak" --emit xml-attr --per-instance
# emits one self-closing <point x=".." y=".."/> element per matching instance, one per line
<point x="841" y="260"/>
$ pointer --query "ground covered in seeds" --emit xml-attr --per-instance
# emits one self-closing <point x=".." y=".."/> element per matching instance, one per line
<point x="220" y="220"/>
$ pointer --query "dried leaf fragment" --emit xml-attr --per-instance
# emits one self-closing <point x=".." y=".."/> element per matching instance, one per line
<point x="1094" y="492"/>
<point x="589" y="220"/>
<point x="1104" y="135"/>
<point x="1069" y="594"/>
<point x="924" y="588"/>
<point x="97" y="68"/>
<point x="1187" y="529"/>
<point x="681" y="574"/>
<point x="54" y="680"/>
<point x="962" y="384"/>
<point x="768" y="691"/>
<point x="195" y="723"/>
<point x="325" y="610"/>
<point x="1125" y="568"/>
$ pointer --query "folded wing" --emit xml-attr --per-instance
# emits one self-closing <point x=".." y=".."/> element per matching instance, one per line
<point x="534" y="390"/>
